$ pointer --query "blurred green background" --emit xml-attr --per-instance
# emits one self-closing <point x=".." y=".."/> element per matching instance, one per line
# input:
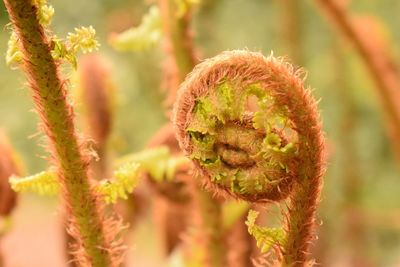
<point x="362" y="183"/>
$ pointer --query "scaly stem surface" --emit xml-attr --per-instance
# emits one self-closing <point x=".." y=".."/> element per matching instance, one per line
<point x="49" y="93"/>
<point x="382" y="67"/>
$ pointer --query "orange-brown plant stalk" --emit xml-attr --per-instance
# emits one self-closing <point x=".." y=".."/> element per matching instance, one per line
<point x="173" y="199"/>
<point x="291" y="28"/>
<point x="178" y="46"/>
<point x="94" y="234"/>
<point x="363" y="33"/>
<point x="9" y="166"/>
<point x="96" y="92"/>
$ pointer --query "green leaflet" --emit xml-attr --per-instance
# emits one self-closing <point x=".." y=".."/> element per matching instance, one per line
<point x="223" y="140"/>
<point x="126" y="178"/>
<point x="13" y="55"/>
<point x="82" y="39"/>
<point x="44" y="183"/>
<point x="158" y="162"/>
<point x="142" y="37"/>
<point x="266" y="237"/>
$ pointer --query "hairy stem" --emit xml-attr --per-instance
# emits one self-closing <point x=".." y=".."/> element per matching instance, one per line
<point x="382" y="67"/>
<point x="304" y="200"/>
<point x="49" y="93"/>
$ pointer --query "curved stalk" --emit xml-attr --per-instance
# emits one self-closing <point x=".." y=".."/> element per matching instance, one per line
<point x="381" y="66"/>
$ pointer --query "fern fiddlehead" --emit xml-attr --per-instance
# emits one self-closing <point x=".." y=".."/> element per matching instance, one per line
<point x="252" y="129"/>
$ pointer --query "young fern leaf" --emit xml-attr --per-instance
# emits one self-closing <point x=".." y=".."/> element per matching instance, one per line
<point x="253" y="131"/>
<point x="158" y="162"/>
<point x="13" y="55"/>
<point x="266" y="237"/>
<point x="44" y="183"/>
<point x="126" y="178"/>
<point x="140" y="38"/>
<point x="83" y="39"/>
<point x="44" y="12"/>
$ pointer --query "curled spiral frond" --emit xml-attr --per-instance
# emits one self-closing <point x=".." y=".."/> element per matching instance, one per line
<point x="233" y="121"/>
<point x="253" y="131"/>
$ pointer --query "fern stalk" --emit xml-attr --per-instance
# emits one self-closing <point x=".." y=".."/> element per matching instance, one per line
<point x="291" y="30"/>
<point x="379" y="62"/>
<point x="96" y="92"/>
<point x="178" y="45"/>
<point x="50" y="97"/>
<point x="9" y="166"/>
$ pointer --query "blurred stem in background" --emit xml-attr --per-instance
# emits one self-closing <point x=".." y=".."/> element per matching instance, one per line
<point x="9" y="165"/>
<point x="355" y="229"/>
<point x="364" y="34"/>
<point x="178" y="44"/>
<point x="291" y="17"/>
<point x="97" y="95"/>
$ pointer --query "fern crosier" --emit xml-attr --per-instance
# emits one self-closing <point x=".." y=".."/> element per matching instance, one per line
<point x="245" y="148"/>
<point x="253" y="130"/>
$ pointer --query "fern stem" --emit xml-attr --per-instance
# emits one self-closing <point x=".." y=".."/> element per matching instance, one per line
<point x="207" y="219"/>
<point x="8" y="166"/>
<point x="380" y="64"/>
<point x="178" y="46"/>
<point x="291" y="30"/>
<point x="50" y="97"/>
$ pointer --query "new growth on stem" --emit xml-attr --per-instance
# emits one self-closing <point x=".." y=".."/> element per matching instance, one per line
<point x="253" y="132"/>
